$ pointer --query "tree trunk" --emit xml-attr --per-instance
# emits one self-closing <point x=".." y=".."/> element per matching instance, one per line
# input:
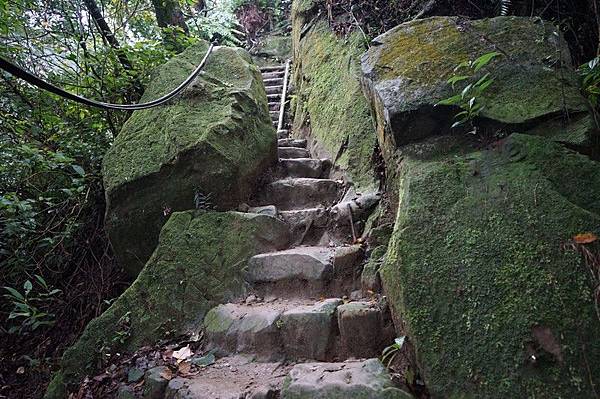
<point x="106" y="33"/>
<point x="169" y="15"/>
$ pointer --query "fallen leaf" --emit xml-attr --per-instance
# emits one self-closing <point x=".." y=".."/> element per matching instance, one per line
<point x="183" y="354"/>
<point x="184" y="368"/>
<point x="585" y="238"/>
<point x="21" y="370"/>
<point x="167" y="374"/>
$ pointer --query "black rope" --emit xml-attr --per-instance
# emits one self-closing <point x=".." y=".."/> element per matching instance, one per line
<point x="36" y="81"/>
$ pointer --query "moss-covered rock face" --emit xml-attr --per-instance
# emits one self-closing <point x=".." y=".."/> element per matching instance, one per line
<point x="272" y="49"/>
<point x="329" y="106"/>
<point x="197" y="264"/>
<point x="406" y="73"/>
<point x="494" y="304"/>
<point x="215" y="138"/>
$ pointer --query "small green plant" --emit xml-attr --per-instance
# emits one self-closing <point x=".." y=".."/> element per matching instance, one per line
<point x="469" y="98"/>
<point x="590" y="74"/>
<point x="30" y="306"/>
<point x="389" y="354"/>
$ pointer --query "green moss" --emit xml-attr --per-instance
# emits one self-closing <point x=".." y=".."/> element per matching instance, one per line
<point x="476" y="262"/>
<point x="407" y="69"/>
<point x="215" y="138"/>
<point x="198" y="263"/>
<point x="329" y="101"/>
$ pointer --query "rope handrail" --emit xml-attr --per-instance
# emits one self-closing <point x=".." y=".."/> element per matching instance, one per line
<point x="36" y="81"/>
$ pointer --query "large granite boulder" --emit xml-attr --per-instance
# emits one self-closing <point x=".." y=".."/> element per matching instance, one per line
<point x="211" y="141"/>
<point x="329" y="107"/>
<point x="197" y="264"/>
<point x="483" y="271"/>
<point x="406" y="72"/>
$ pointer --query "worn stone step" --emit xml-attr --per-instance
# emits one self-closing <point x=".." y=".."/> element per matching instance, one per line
<point x="303" y="167"/>
<point x="274" y="114"/>
<point x="351" y="379"/>
<point x="288" y="194"/>
<point x="274" y="106"/>
<point x="365" y="329"/>
<point x="274" y="90"/>
<point x="289" y="142"/>
<point x="307" y="226"/>
<point x="305" y="271"/>
<point x="293" y="152"/>
<point x="273" y="82"/>
<point x="290" y="329"/>
<point x="282" y="134"/>
<point x="231" y="377"/>
<point x="272" y="68"/>
<point x="234" y="328"/>
<point x="273" y="75"/>
<point x="274" y="97"/>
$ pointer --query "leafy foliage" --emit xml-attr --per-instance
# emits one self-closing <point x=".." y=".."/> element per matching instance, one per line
<point x="469" y="97"/>
<point x="389" y="353"/>
<point x="29" y="306"/>
<point x="590" y="75"/>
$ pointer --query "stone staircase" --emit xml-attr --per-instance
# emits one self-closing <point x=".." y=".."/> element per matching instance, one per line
<point x="304" y="330"/>
<point x="274" y="79"/>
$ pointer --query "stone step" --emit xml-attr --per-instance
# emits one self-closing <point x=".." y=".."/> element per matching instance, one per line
<point x="273" y="68"/>
<point x="300" y="193"/>
<point x="273" y="82"/>
<point x="277" y="330"/>
<point x="237" y="377"/>
<point x="307" y="226"/>
<point x="303" y="167"/>
<point x="293" y="152"/>
<point x="274" y="115"/>
<point x="303" y="271"/>
<point x="231" y="377"/>
<point x="274" y="106"/>
<point x="351" y="379"/>
<point x="274" y="97"/>
<point x="282" y="134"/>
<point x="273" y="75"/>
<point x="274" y="90"/>
<point x="289" y="142"/>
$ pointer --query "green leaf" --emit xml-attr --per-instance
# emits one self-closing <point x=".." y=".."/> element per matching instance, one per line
<point x="41" y="280"/>
<point x="466" y="90"/>
<point x="15" y="293"/>
<point x="450" y="101"/>
<point x="27" y="287"/>
<point x="457" y="78"/>
<point x="78" y="169"/>
<point x="484" y="60"/>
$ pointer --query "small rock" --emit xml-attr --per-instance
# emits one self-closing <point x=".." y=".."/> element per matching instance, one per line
<point x="356" y="295"/>
<point x="264" y="393"/>
<point x="134" y="374"/>
<point x="251" y="299"/>
<point x="126" y="392"/>
<point x="243" y="207"/>
<point x="155" y="382"/>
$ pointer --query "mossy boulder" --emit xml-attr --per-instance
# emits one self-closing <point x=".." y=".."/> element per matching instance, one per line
<point x="329" y="106"/>
<point x="213" y="139"/>
<point x="482" y="271"/>
<point x="406" y="74"/>
<point x="197" y="264"/>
